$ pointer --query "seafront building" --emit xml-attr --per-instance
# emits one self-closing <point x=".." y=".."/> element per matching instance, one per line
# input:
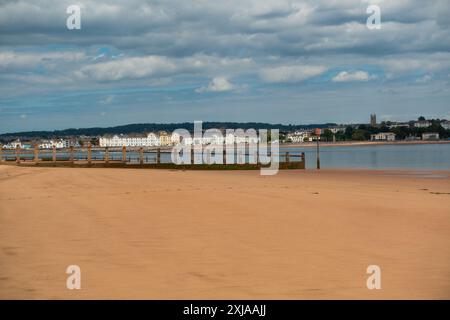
<point x="44" y="144"/>
<point x="58" y="144"/>
<point x="430" y="136"/>
<point x="13" y="145"/>
<point x="383" y="136"/>
<point x="220" y="139"/>
<point x="164" y="139"/>
<point x="149" y="140"/>
<point x="445" y="124"/>
<point x="300" y="136"/>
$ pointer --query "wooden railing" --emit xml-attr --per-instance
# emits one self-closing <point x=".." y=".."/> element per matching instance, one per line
<point x="109" y="156"/>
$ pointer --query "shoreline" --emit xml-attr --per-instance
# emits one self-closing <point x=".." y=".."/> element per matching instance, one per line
<point x="358" y="143"/>
<point x="233" y="168"/>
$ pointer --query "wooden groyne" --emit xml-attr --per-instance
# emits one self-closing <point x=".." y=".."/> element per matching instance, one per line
<point x="137" y="157"/>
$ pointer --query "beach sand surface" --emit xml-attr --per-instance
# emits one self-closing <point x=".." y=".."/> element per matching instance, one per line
<point x="168" y="234"/>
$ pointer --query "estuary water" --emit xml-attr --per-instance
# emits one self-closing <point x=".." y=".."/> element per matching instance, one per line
<point x="399" y="156"/>
<point x="407" y="156"/>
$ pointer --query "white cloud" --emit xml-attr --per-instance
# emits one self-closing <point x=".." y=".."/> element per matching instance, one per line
<point x="290" y="73"/>
<point x="345" y="76"/>
<point x="435" y="62"/>
<point x="22" y="60"/>
<point x="129" y="68"/>
<point x="107" y="100"/>
<point x="218" y="84"/>
<point x="424" y="79"/>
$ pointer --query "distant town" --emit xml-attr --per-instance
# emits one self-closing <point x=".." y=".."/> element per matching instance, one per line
<point x="142" y="135"/>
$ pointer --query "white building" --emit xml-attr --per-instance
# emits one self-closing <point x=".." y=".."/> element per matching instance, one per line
<point x="445" y="124"/>
<point x="219" y="139"/>
<point x="49" y="144"/>
<point x="383" y="136"/>
<point x="299" y="136"/>
<point x="430" y="136"/>
<point x="151" y="140"/>
<point x="175" y="138"/>
<point x="164" y="139"/>
<point x="398" y="125"/>
<point x="422" y="124"/>
<point x="58" y="144"/>
<point x="337" y="129"/>
<point x="13" y="145"/>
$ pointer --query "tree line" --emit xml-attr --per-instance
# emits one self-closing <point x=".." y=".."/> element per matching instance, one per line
<point x="363" y="132"/>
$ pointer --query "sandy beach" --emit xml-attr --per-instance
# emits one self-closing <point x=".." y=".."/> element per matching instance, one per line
<point x="167" y="234"/>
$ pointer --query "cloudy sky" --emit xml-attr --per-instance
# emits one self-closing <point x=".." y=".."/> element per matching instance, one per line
<point x="275" y="61"/>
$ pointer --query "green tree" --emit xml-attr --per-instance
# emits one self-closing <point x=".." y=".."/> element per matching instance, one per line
<point x="327" y="135"/>
<point x="362" y="127"/>
<point x="340" y="136"/>
<point x="94" y="141"/>
<point x="359" y="135"/>
<point x="348" y="133"/>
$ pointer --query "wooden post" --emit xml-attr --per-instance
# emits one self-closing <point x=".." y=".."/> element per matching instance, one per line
<point x="54" y="154"/>
<point x="106" y="155"/>
<point x="287" y="157"/>
<point x="71" y="157"/>
<point x="303" y="157"/>
<point x="17" y="154"/>
<point x="225" y="155"/>
<point x="36" y="153"/>
<point x="318" y="154"/>
<point x="158" y="155"/>
<point x="141" y="155"/>
<point x="89" y="153"/>
<point x="192" y="155"/>
<point x="124" y="154"/>
<point x="256" y="157"/>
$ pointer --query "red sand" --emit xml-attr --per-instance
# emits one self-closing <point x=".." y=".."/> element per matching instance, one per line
<point x="157" y="234"/>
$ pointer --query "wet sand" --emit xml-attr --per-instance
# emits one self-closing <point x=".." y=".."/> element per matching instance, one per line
<point x="160" y="234"/>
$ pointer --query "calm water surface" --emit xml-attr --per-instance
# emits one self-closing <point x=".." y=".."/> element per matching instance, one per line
<point x="412" y="156"/>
